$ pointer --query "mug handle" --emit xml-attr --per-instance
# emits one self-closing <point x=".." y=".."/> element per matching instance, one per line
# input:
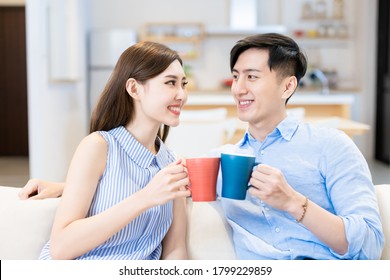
<point x="254" y="165"/>
<point x="188" y="187"/>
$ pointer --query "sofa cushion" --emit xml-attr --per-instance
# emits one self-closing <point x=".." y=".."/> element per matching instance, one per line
<point x="209" y="235"/>
<point x="25" y="225"/>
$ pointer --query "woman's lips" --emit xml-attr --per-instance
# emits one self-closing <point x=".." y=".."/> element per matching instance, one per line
<point x="175" y="109"/>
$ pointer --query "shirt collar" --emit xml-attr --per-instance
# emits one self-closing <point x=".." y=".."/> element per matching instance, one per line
<point x="286" y="128"/>
<point x="139" y="153"/>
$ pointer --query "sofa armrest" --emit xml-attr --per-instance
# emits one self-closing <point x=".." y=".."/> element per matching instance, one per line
<point x="25" y="225"/>
<point x="383" y="197"/>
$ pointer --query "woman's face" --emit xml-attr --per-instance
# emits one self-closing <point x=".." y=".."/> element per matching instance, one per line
<point x="164" y="95"/>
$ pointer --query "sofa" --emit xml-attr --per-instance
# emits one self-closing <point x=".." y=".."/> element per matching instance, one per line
<point x="25" y="226"/>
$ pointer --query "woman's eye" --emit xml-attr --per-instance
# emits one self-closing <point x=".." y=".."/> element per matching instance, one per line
<point x="184" y="84"/>
<point x="172" y="83"/>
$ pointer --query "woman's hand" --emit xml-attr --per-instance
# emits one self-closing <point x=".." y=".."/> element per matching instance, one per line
<point x="38" y="189"/>
<point x="168" y="184"/>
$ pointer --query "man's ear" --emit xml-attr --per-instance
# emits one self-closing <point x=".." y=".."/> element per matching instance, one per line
<point x="133" y="88"/>
<point x="291" y="84"/>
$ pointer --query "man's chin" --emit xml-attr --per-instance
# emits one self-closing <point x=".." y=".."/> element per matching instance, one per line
<point x="243" y="117"/>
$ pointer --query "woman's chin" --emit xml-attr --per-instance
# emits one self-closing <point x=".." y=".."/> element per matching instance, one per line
<point x="173" y="123"/>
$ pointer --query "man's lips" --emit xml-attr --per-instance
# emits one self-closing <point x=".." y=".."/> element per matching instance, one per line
<point x="244" y="103"/>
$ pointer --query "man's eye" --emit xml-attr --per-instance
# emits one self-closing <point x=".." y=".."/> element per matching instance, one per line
<point x="184" y="84"/>
<point x="235" y="77"/>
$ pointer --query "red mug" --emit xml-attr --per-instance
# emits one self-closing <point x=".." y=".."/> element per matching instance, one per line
<point x="203" y="175"/>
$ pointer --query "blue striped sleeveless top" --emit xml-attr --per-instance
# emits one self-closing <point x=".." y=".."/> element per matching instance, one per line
<point x="129" y="168"/>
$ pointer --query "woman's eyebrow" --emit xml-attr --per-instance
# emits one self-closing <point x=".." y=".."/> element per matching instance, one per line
<point x="171" y="76"/>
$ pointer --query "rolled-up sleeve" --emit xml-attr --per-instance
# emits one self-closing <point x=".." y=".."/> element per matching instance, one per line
<point x="350" y="188"/>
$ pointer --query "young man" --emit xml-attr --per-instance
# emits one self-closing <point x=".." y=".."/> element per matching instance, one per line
<point x="312" y="196"/>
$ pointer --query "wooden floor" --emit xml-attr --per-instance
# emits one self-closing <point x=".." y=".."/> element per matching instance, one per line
<point x="14" y="171"/>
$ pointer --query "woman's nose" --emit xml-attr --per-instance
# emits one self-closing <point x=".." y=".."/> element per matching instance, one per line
<point x="182" y="94"/>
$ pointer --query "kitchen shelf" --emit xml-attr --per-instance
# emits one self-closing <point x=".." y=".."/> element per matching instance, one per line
<point x="323" y="19"/>
<point x="304" y="41"/>
<point x="184" y="37"/>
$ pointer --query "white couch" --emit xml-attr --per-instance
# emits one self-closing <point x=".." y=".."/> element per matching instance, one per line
<point x="25" y="226"/>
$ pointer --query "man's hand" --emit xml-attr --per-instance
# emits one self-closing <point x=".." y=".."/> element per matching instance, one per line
<point x="38" y="189"/>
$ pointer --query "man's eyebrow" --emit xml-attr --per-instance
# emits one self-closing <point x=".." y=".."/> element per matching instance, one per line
<point x="247" y="70"/>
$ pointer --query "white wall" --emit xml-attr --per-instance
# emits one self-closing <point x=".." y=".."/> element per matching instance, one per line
<point x="366" y="62"/>
<point x="133" y="14"/>
<point x="56" y="110"/>
<point x="356" y="63"/>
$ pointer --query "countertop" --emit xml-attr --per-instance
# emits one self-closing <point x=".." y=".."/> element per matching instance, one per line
<point x="350" y="127"/>
<point x="306" y="98"/>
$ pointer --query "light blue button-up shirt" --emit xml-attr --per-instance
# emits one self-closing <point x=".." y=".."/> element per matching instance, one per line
<point x="324" y="165"/>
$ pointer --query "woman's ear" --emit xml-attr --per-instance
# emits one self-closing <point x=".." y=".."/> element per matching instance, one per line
<point x="133" y="88"/>
<point x="291" y="84"/>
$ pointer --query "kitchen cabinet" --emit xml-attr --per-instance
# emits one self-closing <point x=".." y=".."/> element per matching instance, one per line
<point x="317" y="105"/>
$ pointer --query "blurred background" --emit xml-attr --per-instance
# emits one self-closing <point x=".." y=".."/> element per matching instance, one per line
<point x="56" y="56"/>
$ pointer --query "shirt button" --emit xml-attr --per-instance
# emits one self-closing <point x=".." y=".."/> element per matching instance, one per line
<point x="277" y="229"/>
<point x="262" y="152"/>
<point x="266" y="209"/>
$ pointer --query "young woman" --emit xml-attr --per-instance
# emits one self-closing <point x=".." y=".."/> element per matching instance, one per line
<point x="124" y="196"/>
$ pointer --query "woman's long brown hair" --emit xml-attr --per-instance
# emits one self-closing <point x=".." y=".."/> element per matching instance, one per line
<point x="142" y="62"/>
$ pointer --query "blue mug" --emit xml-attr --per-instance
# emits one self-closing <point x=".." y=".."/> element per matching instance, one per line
<point x="236" y="172"/>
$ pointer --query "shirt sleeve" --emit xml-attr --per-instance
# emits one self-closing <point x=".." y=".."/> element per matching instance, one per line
<point x="352" y="193"/>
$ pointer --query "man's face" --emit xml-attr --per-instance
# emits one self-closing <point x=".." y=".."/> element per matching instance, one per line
<point x="259" y="93"/>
